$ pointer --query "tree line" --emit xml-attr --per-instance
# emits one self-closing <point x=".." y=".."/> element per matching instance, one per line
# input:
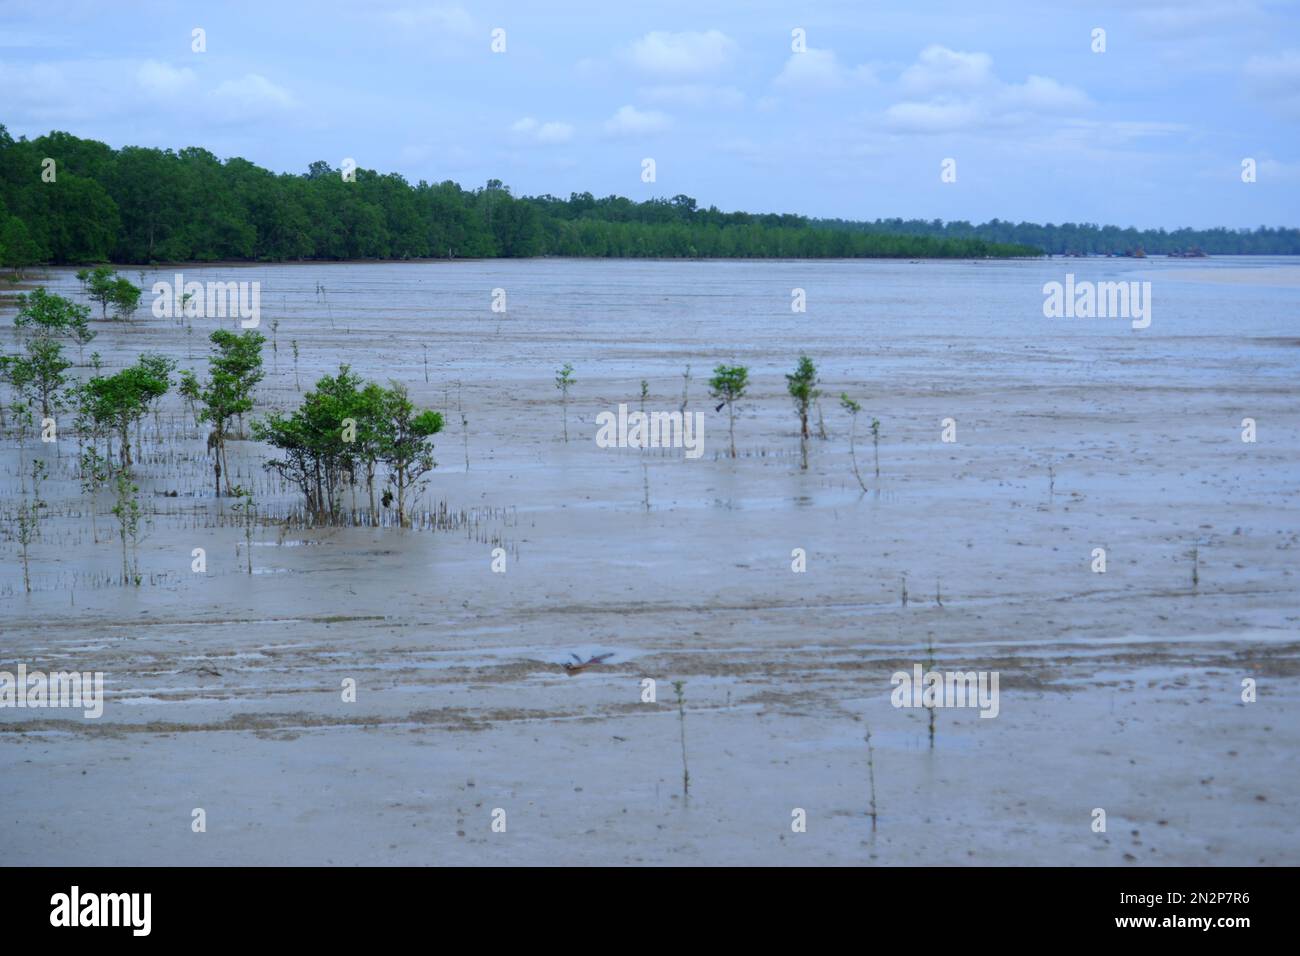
<point x="142" y="205"/>
<point x="1088" y="239"/>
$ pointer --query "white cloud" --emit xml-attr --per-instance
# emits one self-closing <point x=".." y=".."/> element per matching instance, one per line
<point x="1041" y="94"/>
<point x="89" y="91"/>
<point x="696" y="96"/>
<point x="162" y="81"/>
<point x="252" y="96"/>
<point x="940" y="70"/>
<point x="952" y="91"/>
<point x="630" y="121"/>
<point x="545" y="134"/>
<point x="682" y="54"/>
<point x="820" y="70"/>
<point x="937" y="117"/>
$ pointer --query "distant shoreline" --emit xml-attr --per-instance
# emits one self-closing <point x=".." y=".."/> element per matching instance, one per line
<point x="252" y="263"/>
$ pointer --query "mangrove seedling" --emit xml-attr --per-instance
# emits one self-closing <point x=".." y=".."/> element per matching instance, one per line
<point x="728" y="386"/>
<point x="564" y="380"/>
<point x="875" y="442"/>
<point x="929" y="667"/>
<point x="802" y="386"/>
<point x="852" y="407"/>
<point x="248" y="511"/>
<point x="871" y="771"/>
<point x="681" y="717"/>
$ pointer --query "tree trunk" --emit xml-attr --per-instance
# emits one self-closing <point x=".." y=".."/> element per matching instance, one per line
<point x="225" y="463"/>
<point x="370" y="488"/>
<point x="401" y="496"/>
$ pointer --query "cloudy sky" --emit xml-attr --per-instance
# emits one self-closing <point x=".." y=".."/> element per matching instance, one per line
<point x="1151" y="132"/>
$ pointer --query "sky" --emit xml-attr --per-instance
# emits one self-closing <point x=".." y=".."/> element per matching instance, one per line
<point x="830" y="109"/>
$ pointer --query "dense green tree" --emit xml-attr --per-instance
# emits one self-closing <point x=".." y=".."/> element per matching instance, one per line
<point x="16" y="246"/>
<point x="150" y="205"/>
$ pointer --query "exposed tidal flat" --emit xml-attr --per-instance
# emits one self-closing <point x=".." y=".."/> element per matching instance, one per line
<point x="1119" y="690"/>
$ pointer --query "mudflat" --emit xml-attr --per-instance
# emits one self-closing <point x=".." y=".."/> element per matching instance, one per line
<point x="1119" y="690"/>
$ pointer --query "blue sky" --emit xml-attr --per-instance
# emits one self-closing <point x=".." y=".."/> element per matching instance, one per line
<point x="1152" y="132"/>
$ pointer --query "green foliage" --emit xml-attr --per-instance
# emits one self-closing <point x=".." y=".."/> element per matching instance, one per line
<point x="728" y="386"/>
<point x="51" y="314"/>
<point x="234" y="369"/>
<point x="729" y="383"/>
<point x="191" y="390"/>
<point x="100" y="287"/>
<point x="17" y="248"/>
<point x="38" y="376"/>
<point x="404" y="439"/>
<point x="113" y="403"/>
<point x="1070" y="238"/>
<point x="150" y="205"/>
<point x="321" y="454"/>
<point x="127" y="511"/>
<point x="124" y="297"/>
<point x="853" y="408"/>
<point x="564" y="381"/>
<point x="802" y="386"/>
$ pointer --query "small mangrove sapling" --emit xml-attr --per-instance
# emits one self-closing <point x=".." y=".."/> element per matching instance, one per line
<point x="929" y="666"/>
<point x="802" y="386"/>
<point x="564" y="380"/>
<point x="875" y="442"/>
<point x="871" y="771"/>
<point x="728" y="386"/>
<point x="678" y="686"/>
<point x="852" y="407"/>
